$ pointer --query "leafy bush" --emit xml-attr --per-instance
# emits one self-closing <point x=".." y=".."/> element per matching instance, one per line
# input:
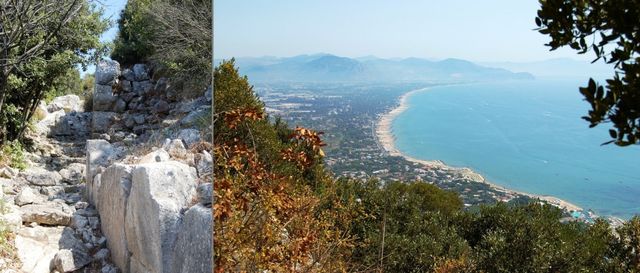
<point x="68" y="83"/>
<point x="133" y="43"/>
<point x="12" y="155"/>
<point x="88" y="82"/>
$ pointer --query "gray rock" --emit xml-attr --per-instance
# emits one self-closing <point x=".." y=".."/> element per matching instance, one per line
<point x="106" y="72"/>
<point x="201" y="113"/>
<point x="99" y="154"/>
<point x="11" y="217"/>
<point x="129" y="122"/>
<point x="52" y="191"/>
<point x="159" y="192"/>
<point x="189" y="136"/>
<point x="73" y="173"/>
<point x="205" y="196"/>
<point x="68" y="261"/>
<point x="25" y="197"/>
<point x="120" y="106"/>
<point x="141" y="72"/>
<point x="139" y="119"/>
<point x="74" y="124"/>
<point x="44" y="126"/>
<point x="103" y="98"/>
<point x="50" y="213"/>
<point x="140" y="129"/>
<point x="205" y="164"/>
<point x="127" y="96"/>
<point x="161" y="107"/>
<point x="108" y="269"/>
<point x="193" y="250"/>
<point x="8" y="172"/>
<point x="73" y="255"/>
<point x="158" y="155"/>
<point x="161" y="86"/>
<point x="126" y="85"/>
<point x="79" y="222"/>
<point x="112" y="204"/>
<point x="102" y="254"/>
<point x="176" y="149"/>
<point x="101" y="121"/>
<point x="41" y="177"/>
<point x="128" y="74"/>
<point x="142" y="88"/>
<point x="68" y="103"/>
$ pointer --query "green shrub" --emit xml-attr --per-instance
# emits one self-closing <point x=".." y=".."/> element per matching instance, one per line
<point x="88" y="82"/>
<point x="69" y="83"/>
<point x="12" y="155"/>
<point x="133" y="43"/>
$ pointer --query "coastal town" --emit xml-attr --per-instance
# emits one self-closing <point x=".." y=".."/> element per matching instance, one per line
<point x="356" y="120"/>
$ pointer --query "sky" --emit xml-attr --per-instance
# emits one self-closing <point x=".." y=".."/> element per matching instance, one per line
<point x="112" y="10"/>
<point x="481" y="31"/>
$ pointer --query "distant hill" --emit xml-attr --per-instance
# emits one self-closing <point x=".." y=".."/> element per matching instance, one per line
<point x="331" y="68"/>
<point x="559" y="68"/>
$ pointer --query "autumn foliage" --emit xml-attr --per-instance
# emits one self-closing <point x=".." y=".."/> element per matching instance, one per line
<point x="268" y="217"/>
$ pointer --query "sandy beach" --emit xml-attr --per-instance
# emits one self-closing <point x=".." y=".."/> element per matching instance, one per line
<point x="386" y="139"/>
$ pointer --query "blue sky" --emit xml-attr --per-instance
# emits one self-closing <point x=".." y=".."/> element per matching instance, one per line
<point x="112" y="10"/>
<point x="488" y="30"/>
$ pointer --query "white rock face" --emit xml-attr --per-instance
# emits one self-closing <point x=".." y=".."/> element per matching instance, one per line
<point x="158" y="192"/>
<point x="193" y="246"/>
<point x="50" y="213"/>
<point x="68" y="103"/>
<point x="41" y="177"/>
<point x="114" y="188"/>
<point x="106" y="72"/>
<point x="26" y="196"/>
<point x="36" y="246"/>
<point x="189" y="136"/>
<point x="159" y="155"/>
<point x="49" y="120"/>
<point x="99" y="154"/>
<point x="73" y="173"/>
<point x="12" y="217"/>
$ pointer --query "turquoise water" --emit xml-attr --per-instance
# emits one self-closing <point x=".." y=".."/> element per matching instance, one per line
<point x="527" y="136"/>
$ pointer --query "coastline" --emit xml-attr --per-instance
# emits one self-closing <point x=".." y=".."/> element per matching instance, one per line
<point x="386" y="139"/>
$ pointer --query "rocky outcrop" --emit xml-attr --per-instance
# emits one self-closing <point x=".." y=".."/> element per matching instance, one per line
<point x="190" y="257"/>
<point x="91" y="202"/>
<point x="159" y="192"/>
<point x="115" y="186"/>
<point x="50" y="213"/>
<point x="100" y="153"/>
<point x="68" y="103"/>
<point x="142" y="207"/>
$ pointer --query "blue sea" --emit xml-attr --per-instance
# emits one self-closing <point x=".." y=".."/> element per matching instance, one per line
<point x="526" y="136"/>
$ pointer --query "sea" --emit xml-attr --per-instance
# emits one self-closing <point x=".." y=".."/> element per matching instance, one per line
<point x="527" y="136"/>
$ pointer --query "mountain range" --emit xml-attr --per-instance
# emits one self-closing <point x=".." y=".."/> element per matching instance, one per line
<point x="332" y="68"/>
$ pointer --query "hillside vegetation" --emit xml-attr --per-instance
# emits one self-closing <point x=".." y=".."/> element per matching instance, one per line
<point x="277" y="208"/>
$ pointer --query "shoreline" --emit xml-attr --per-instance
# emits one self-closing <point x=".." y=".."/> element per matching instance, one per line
<point x="386" y="140"/>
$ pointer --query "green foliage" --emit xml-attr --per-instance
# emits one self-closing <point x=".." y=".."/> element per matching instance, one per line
<point x="612" y="31"/>
<point x="406" y="225"/>
<point x="417" y="227"/>
<point x="184" y="47"/>
<point x="88" y="82"/>
<point x="42" y="64"/>
<point x="68" y="83"/>
<point x="627" y="246"/>
<point x="149" y="32"/>
<point x="133" y="43"/>
<point x="12" y="155"/>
